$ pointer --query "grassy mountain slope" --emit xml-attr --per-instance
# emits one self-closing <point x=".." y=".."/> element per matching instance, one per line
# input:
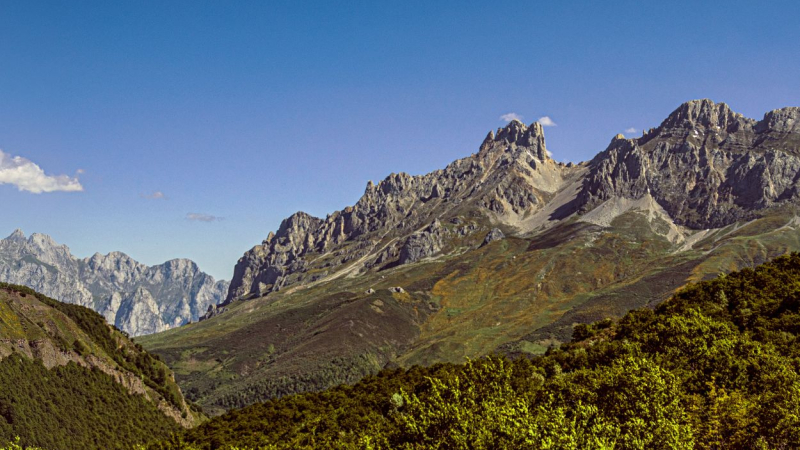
<point x="715" y="367"/>
<point x="70" y="381"/>
<point x="516" y="295"/>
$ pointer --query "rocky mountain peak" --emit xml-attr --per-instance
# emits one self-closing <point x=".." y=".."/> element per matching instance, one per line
<point x="113" y="261"/>
<point x="44" y="248"/>
<point x="706" y="114"/>
<point x="393" y="223"/>
<point x="706" y="165"/>
<point x="42" y="240"/>
<point x="181" y="266"/>
<point x="16" y="236"/>
<point x="516" y="136"/>
<point x="512" y="132"/>
<point x="297" y="223"/>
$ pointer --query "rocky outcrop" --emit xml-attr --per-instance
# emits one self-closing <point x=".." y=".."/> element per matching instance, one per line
<point x="494" y="235"/>
<point x="55" y="338"/>
<point x="705" y="165"/>
<point x="136" y="298"/>
<point x="423" y="244"/>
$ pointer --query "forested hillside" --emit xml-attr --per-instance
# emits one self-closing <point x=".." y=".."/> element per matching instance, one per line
<point x="715" y="367"/>
<point x="70" y="381"/>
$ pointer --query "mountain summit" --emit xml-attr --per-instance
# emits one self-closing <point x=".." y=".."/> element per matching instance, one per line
<point x="706" y="165"/>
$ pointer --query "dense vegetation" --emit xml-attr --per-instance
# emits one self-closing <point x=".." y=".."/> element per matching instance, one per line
<point x="715" y="367"/>
<point x="148" y="367"/>
<point x="72" y="407"/>
<point x="331" y="373"/>
<point x="75" y="406"/>
<point x="15" y="445"/>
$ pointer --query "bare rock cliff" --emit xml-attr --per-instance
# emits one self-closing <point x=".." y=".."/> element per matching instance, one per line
<point x="705" y="165"/>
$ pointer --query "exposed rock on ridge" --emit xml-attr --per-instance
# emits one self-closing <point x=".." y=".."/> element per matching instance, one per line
<point x="495" y="235"/>
<point x="511" y="176"/>
<point x="35" y="329"/>
<point x="706" y="166"/>
<point x="136" y="298"/>
<point x="423" y="244"/>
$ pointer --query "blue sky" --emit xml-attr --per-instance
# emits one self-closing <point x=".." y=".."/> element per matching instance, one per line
<point x="241" y="113"/>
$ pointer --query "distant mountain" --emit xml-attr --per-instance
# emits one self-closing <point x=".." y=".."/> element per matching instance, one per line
<point x="136" y="298"/>
<point x="504" y="250"/>
<point x="68" y="380"/>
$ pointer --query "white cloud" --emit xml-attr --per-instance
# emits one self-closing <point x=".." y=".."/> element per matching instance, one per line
<point x="511" y="116"/>
<point x="154" y="196"/>
<point x="546" y="121"/>
<point x="27" y="176"/>
<point x="200" y="217"/>
<point x="631" y="130"/>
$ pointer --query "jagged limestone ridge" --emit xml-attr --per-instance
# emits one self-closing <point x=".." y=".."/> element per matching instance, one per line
<point x="511" y="175"/>
<point x="136" y="298"/>
<point x="705" y="165"/>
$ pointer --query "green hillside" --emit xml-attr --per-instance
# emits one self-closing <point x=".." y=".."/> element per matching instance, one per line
<point x="70" y="381"/>
<point x="519" y="295"/>
<point x="715" y="367"/>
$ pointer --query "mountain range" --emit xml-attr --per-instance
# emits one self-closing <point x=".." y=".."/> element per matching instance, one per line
<point x="505" y="251"/>
<point x="502" y="251"/>
<point x="136" y="298"/>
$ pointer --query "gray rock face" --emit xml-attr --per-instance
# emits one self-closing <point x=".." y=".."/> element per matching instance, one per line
<point x="423" y="244"/>
<point x="494" y="235"/>
<point x="705" y="165"/>
<point x="136" y="298"/>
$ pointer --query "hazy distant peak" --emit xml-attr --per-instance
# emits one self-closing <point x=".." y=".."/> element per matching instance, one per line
<point x="45" y="242"/>
<point x="136" y="298"/>
<point x="180" y="265"/>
